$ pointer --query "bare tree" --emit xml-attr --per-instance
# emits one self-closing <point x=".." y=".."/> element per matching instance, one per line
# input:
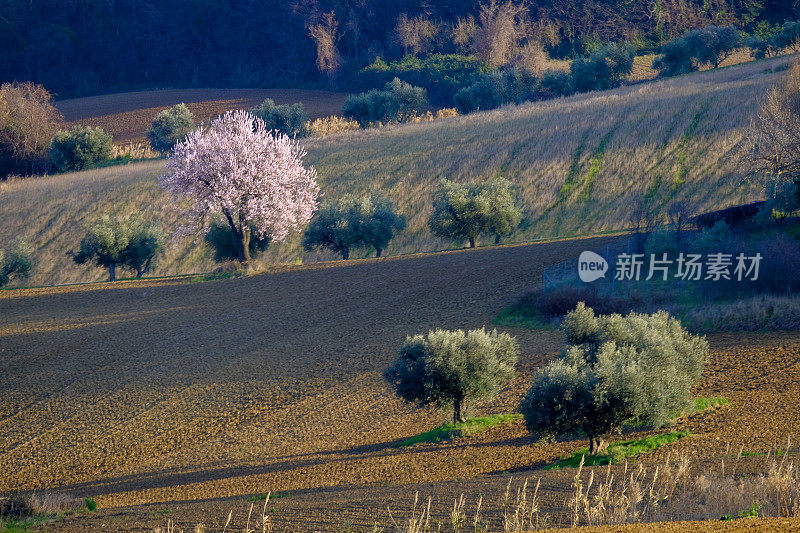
<point x="325" y="35"/>
<point x="415" y="34"/>
<point x="463" y="32"/>
<point x="501" y="29"/>
<point x="679" y="213"/>
<point x="28" y="122"/>
<point x="533" y="58"/>
<point x="774" y="138"/>
<point x="644" y="218"/>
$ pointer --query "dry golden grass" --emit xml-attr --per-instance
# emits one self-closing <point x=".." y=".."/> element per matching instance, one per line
<point x="580" y="162"/>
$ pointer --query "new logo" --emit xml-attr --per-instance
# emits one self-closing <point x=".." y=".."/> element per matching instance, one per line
<point x="591" y="266"/>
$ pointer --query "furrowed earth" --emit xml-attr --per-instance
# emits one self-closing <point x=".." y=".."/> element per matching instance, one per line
<point x="178" y="400"/>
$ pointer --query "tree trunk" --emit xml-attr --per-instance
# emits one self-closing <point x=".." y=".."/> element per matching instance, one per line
<point x="345" y="253"/>
<point x="112" y="272"/>
<point x="472" y="242"/>
<point x="378" y="252"/>
<point x="244" y="244"/>
<point x="597" y="445"/>
<point x="458" y="405"/>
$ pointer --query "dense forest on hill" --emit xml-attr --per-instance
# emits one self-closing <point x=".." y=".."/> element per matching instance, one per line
<point x="81" y="47"/>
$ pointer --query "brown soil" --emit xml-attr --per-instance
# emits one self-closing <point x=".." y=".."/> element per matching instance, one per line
<point x="127" y="116"/>
<point x="189" y="397"/>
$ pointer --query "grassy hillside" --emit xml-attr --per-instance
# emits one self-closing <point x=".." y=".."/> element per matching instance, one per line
<point x="579" y="161"/>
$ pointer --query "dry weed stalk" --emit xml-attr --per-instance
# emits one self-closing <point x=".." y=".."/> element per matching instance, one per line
<point x="524" y="514"/>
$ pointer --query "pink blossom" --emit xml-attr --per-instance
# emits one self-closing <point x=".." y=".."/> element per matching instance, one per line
<point x="253" y="177"/>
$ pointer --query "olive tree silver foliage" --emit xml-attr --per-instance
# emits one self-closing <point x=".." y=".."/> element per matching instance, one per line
<point x="454" y="368"/>
<point x="635" y="370"/>
<point x="465" y="211"/>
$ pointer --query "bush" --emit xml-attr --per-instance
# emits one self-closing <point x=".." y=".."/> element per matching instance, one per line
<point x="398" y="101"/>
<point x="555" y="83"/>
<point x="120" y="241"/>
<point x="352" y="222"/>
<point x="221" y="238"/>
<point x="16" y="261"/>
<point x="287" y="119"/>
<point x="79" y="148"/>
<point x="169" y="127"/>
<point x="331" y="125"/>
<point x="28" y="121"/>
<point x="465" y="211"/>
<point x="605" y="68"/>
<point x="441" y="75"/>
<point x="635" y="369"/>
<point x="453" y="368"/>
<point x="554" y="304"/>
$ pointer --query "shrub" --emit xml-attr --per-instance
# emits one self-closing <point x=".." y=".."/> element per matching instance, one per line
<point x="169" y="127"/>
<point x="331" y="125"/>
<point x="225" y="243"/>
<point x="465" y="211"/>
<point x="484" y="94"/>
<point x="28" y="121"/>
<point x="555" y="303"/>
<point x="605" y="68"/>
<point x="635" y="369"/>
<point x="287" y="119"/>
<point x="675" y="58"/>
<point x="397" y="102"/>
<point x="555" y="83"/>
<point x="16" y="261"/>
<point x="351" y="222"/>
<point x="441" y="75"/>
<point x="79" y="148"/>
<point x="126" y="241"/>
<point x="453" y="368"/>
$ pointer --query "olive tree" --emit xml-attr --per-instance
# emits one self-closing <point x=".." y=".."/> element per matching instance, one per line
<point x="16" y="261"/>
<point x="453" y="368"/>
<point x="169" y="127"/>
<point x="80" y="147"/>
<point x="465" y="211"/>
<point x="353" y="222"/>
<point x="290" y="120"/>
<point x="636" y="369"/>
<point x="113" y="241"/>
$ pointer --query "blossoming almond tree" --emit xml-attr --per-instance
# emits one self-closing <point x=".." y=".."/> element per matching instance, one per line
<point x="251" y="176"/>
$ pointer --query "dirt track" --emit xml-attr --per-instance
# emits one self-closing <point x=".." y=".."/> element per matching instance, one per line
<point x="165" y="392"/>
<point x="127" y="116"/>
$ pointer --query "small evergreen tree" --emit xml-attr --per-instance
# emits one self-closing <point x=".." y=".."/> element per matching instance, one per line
<point x="169" y="127"/>
<point x="16" y="261"/>
<point x="79" y="148"/>
<point x="635" y="369"/>
<point x="605" y="68"/>
<point x="120" y="241"/>
<point x="376" y="222"/>
<point x="453" y="368"/>
<point x="397" y="102"/>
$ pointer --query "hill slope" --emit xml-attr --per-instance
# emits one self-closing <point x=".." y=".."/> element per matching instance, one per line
<point x="579" y="162"/>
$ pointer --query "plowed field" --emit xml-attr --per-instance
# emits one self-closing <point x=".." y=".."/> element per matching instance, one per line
<point x="176" y="399"/>
<point x="127" y="116"/>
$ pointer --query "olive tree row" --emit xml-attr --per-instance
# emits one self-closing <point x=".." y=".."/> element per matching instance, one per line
<point x="636" y="370"/>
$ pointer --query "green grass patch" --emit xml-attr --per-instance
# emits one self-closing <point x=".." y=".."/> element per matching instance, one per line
<point x="595" y="166"/>
<point x="517" y="319"/>
<point x="272" y="496"/>
<point x="470" y="426"/>
<point x="682" y="168"/>
<point x="619" y="451"/>
<point x="702" y="404"/>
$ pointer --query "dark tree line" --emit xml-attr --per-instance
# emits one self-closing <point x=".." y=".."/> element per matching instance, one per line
<point x="78" y="47"/>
